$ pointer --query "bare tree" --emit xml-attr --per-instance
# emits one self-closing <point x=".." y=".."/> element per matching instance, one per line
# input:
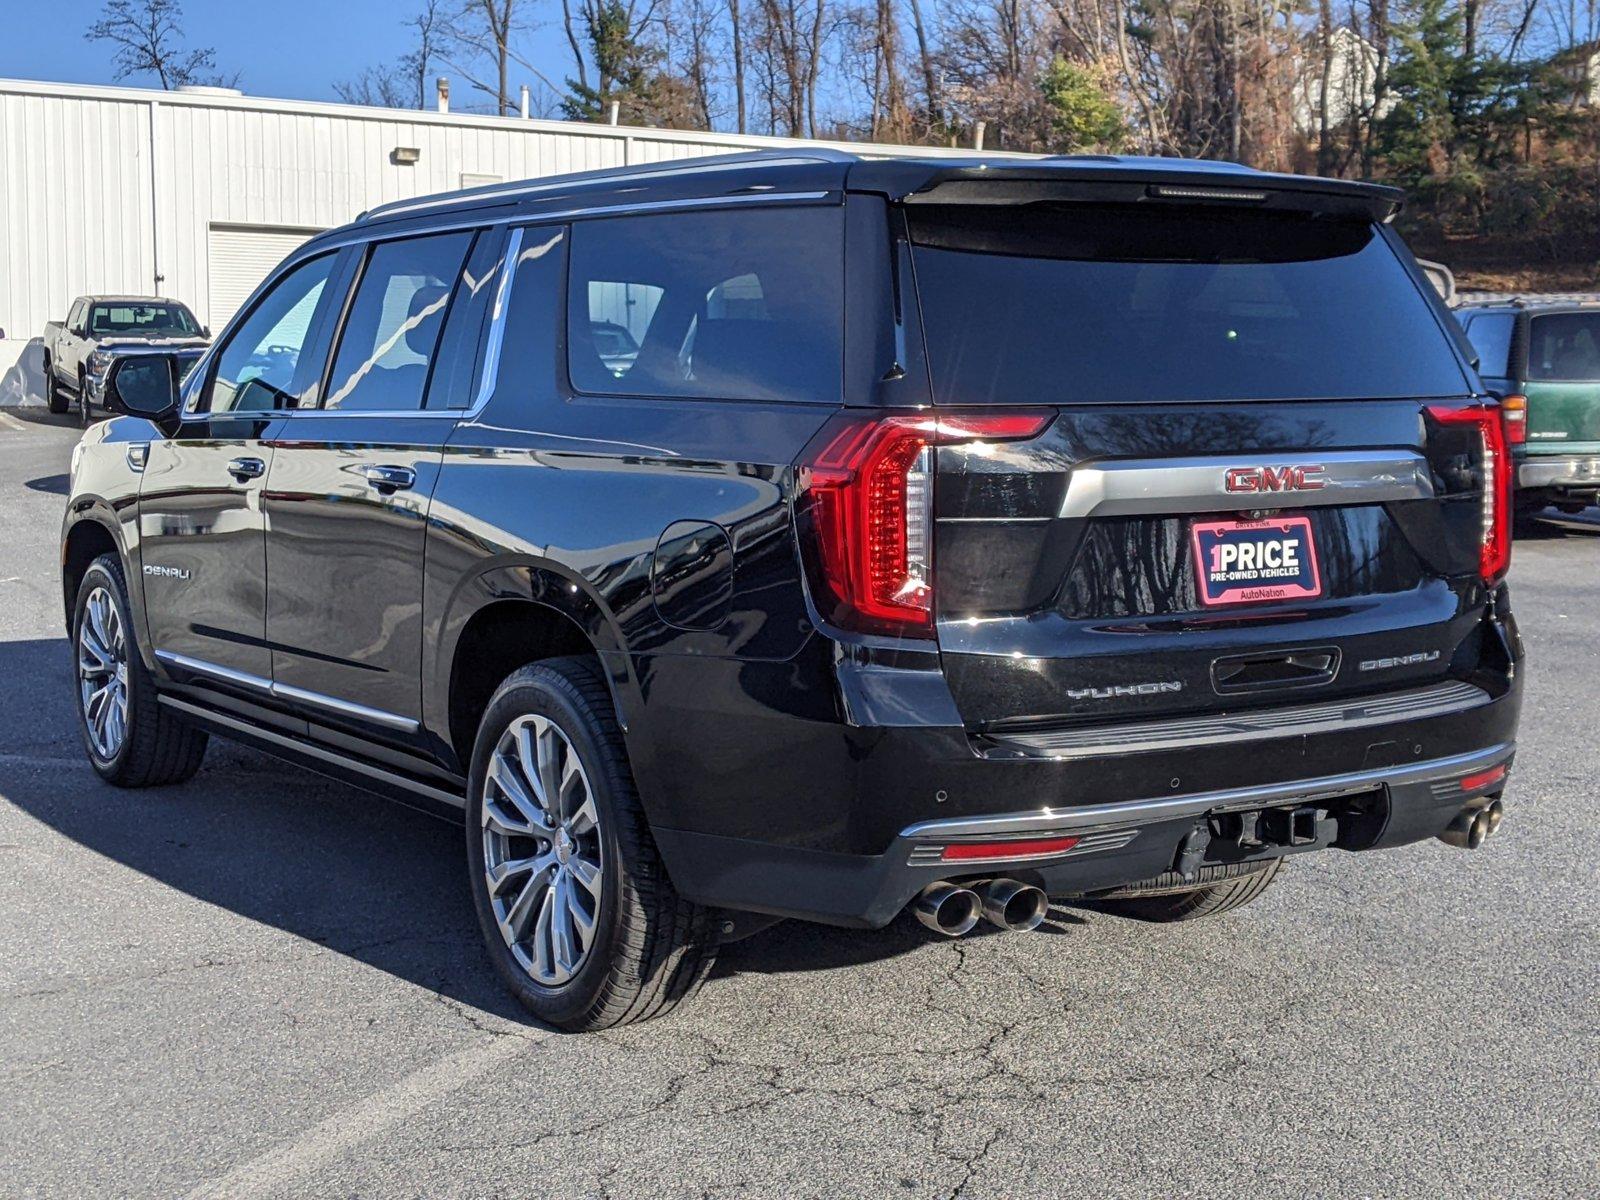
<point x="479" y="30"/>
<point x="405" y="83"/>
<point x="148" y="36"/>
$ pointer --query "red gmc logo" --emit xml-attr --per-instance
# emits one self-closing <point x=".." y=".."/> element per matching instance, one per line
<point x="1274" y="479"/>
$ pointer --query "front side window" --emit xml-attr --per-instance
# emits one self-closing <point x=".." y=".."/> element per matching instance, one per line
<point x="1564" y="346"/>
<point x="1490" y="335"/>
<point x="260" y="368"/>
<point x="392" y="332"/>
<point x="719" y="305"/>
<point x="137" y="319"/>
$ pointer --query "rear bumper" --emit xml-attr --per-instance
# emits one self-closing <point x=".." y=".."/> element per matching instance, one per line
<point x="1580" y="472"/>
<point x="1116" y="844"/>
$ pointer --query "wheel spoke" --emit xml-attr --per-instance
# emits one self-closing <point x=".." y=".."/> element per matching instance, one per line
<point x="550" y="744"/>
<point x="566" y="953"/>
<point x="582" y="920"/>
<point x="588" y="874"/>
<point x="501" y="872"/>
<point x="529" y="736"/>
<point x="534" y="895"/>
<point x="543" y="951"/>
<point x="527" y="816"/>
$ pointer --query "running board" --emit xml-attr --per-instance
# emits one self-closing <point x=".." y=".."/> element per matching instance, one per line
<point x="1246" y="725"/>
<point x="394" y="784"/>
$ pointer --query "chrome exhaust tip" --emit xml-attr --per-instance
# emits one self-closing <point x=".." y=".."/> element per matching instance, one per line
<point x="1013" y="905"/>
<point x="947" y="908"/>
<point x="1472" y="826"/>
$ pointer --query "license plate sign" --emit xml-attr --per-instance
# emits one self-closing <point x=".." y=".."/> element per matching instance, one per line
<point x="1255" y="562"/>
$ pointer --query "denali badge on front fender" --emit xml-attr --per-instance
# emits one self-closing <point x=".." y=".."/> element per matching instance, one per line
<point x="1131" y="689"/>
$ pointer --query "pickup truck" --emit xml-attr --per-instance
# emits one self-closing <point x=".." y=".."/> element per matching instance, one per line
<point x="77" y="351"/>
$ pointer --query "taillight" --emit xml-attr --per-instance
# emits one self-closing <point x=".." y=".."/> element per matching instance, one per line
<point x="1494" y="551"/>
<point x="1514" y="415"/>
<point x="865" y="506"/>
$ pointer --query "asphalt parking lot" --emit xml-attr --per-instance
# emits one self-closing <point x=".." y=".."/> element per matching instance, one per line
<point x="267" y="984"/>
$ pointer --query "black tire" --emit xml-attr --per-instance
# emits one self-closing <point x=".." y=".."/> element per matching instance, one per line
<point x="157" y="747"/>
<point x="651" y="949"/>
<point x="54" y="400"/>
<point x="1235" y="885"/>
<point x="85" y="409"/>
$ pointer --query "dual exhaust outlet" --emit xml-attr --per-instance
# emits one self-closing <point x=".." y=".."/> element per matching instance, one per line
<point x="1472" y="826"/>
<point x="952" y="909"/>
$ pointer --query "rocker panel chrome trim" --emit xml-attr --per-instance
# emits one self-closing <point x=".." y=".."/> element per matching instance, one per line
<point x="283" y="691"/>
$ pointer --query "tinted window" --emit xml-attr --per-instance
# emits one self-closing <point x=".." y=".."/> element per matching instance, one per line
<point x="1564" y="346"/>
<point x="142" y="319"/>
<point x="1490" y="334"/>
<point x="529" y="346"/>
<point x="734" y="304"/>
<point x="1108" y="303"/>
<point x="259" y="368"/>
<point x="454" y="383"/>
<point x="393" y="327"/>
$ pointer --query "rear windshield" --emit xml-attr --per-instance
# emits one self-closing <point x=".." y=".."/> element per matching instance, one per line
<point x="1564" y="346"/>
<point x="1125" y="303"/>
<point x="142" y="318"/>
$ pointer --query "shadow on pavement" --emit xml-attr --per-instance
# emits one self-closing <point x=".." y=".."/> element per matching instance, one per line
<point x="316" y="858"/>
<point x="55" y="485"/>
<point x="1549" y="525"/>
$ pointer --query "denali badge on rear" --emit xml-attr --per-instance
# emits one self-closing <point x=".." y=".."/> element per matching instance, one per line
<point x="1237" y="562"/>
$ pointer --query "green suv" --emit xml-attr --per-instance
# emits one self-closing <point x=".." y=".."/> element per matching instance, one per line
<point x="1541" y="354"/>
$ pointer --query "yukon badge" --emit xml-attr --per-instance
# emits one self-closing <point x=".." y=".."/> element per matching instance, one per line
<point x="1129" y="689"/>
<point x="166" y="572"/>
<point x="1255" y="480"/>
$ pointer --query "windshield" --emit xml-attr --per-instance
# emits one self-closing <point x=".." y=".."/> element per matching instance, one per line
<point x="1564" y="346"/>
<point x="132" y="318"/>
<point x="1131" y="303"/>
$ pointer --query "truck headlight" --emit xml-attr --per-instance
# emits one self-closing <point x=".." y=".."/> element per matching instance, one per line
<point x="98" y="362"/>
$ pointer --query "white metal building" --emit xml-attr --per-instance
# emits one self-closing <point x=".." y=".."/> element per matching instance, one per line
<point x="196" y="195"/>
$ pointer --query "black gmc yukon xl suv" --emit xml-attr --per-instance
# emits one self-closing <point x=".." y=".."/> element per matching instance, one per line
<point x="815" y="536"/>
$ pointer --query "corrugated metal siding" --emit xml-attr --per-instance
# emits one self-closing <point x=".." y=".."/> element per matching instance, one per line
<point x="238" y="258"/>
<point x="81" y="209"/>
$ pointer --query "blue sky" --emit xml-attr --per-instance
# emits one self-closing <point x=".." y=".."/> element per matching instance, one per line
<point x="289" y="48"/>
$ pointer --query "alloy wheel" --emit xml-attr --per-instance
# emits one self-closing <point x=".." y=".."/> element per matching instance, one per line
<point x="103" y="673"/>
<point x="542" y="859"/>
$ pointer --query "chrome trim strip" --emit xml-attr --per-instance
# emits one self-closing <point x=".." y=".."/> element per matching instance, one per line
<point x="1244" y="725"/>
<point x="345" y="708"/>
<point x="311" y="750"/>
<point x="1166" y="808"/>
<point x="283" y="691"/>
<point x="1140" y="487"/>
<point x="201" y="667"/>
<point x="497" y="326"/>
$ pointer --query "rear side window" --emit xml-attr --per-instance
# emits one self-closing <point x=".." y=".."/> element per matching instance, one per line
<point x="1490" y="335"/>
<point x="737" y="305"/>
<point x="1564" y="346"/>
<point x="1131" y="303"/>
<point x="393" y="327"/>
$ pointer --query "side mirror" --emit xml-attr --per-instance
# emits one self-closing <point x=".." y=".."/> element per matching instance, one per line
<point x="143" y="385"/>
<point x="205" y="331"/>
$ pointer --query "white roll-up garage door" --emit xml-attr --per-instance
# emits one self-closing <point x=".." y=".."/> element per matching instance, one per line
<point x="239" y="258"/>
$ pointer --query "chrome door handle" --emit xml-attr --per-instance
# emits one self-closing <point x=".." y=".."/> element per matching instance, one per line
<point x="246" y="468"/>
<point x="388" y="479"/>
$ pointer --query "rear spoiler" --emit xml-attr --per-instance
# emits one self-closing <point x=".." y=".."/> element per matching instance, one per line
<point x="1106" y="179"/>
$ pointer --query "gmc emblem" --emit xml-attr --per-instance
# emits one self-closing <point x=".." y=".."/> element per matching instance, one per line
<point x="1273" y="479"/>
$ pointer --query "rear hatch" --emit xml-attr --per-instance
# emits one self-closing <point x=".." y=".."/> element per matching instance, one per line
<point x="1563" y="381"/>
<point x="1258" y="477"/>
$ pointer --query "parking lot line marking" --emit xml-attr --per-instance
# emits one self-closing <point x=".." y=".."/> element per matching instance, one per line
<point x="11" y="422"/>
<point x="276" y="1168"/>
